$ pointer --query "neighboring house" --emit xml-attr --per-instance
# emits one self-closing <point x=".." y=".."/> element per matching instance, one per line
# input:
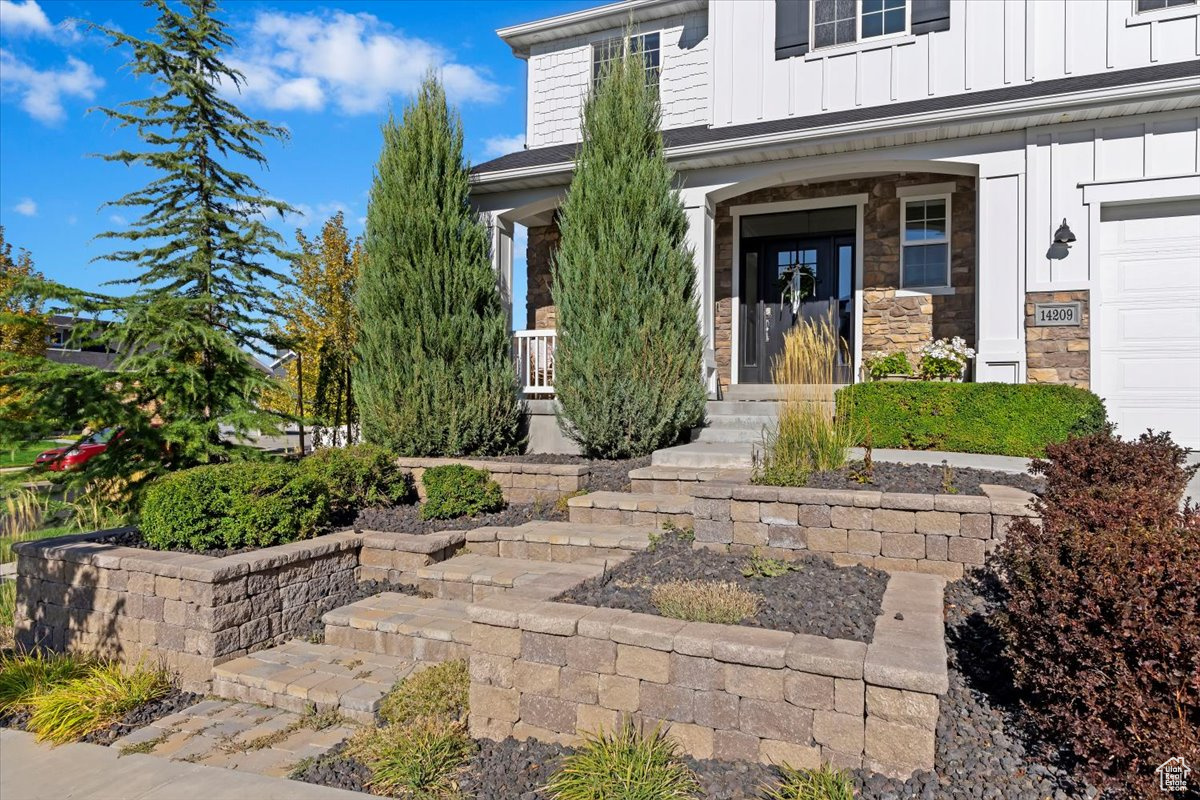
<point x="909" y="164"/>
<point x="61" y="348"/>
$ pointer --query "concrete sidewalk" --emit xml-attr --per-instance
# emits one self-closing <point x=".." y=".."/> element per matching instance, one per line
<point x="32" y="771"/>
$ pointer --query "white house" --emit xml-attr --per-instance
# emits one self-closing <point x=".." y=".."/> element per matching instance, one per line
<point x="909" y="164"/>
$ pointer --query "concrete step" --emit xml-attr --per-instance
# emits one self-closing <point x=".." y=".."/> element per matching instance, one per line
<point x="771" y="391"/>
<point x="751" y="422"/>
<point x="705" y="455"/>
<point x="543" y="540"/>
<point x="416" y="629"/>
<point x="763" y="408"/>
<point x="731" y="435"/>
<point x="298" y="675"/>
<point x="472" y="577"/>
<point x="652" y="511"/>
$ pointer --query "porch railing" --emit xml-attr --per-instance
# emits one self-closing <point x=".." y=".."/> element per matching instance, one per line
<point x="533" y="352"/>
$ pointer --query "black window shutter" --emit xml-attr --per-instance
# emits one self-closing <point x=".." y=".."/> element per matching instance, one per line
<point x="791" y="28"/>
<point x="930" y="15"/>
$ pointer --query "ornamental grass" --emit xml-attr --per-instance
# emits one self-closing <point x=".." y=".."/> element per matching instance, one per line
<point x="824" y="783"/>
<point x="705" y="601"/>
<point x="625" y="764"/>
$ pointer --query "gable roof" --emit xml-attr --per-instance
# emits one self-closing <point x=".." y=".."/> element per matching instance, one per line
<point x="706" y="135"/>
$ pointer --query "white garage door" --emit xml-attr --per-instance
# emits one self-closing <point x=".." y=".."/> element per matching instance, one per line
<point x="1147" y="328"/>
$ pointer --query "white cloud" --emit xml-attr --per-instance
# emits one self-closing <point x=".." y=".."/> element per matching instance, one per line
<point x="503" y="145"/>
<point x="42" y="91"/>
<point x="26" y="207"/>
<point x="353" y="62"/>
<point x="117" y="219"/>
<point x="27" y="17"/>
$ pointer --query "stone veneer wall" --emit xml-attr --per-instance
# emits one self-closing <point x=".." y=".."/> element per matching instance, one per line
<point x="1058" y="354"/>
<point x="940" y="534"/>
<point x="539" y="252"/>
<point x="889" y="322"/>
<point x="520" y="481"/>
<point x="79" y="594"/>
<point x="554" y="671"/>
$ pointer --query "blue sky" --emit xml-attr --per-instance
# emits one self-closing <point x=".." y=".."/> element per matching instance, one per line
<point x="326" y="70"/>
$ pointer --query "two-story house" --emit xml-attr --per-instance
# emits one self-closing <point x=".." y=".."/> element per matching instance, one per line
<point x="1024" y="174"/>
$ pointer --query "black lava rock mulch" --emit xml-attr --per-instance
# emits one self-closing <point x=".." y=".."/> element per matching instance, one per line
<point x="920" y="479"/>
<point x="335" y="769"/>
<point x="983" y="747"/>
<point x="407" y="519"/>
<point x="816" y="597"/>
<point x="607" y="475"/>
<point x="143" y="715"/>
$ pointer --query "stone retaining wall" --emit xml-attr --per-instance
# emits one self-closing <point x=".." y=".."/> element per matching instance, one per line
<point x="941" y="534"/>
<point x="553" y="671"/>
<point x="193" y="611"/>
<point x="521" y="481"/>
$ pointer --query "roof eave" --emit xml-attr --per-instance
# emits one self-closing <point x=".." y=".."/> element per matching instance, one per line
<point x="523" y="36"/>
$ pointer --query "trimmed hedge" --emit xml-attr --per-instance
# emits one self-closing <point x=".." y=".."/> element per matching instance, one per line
<point x="993" y="418"/>
<point x="456" y="490"/>
<point x="265" y="503"/>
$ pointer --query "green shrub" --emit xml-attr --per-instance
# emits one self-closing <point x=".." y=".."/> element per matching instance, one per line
<point x="244" y="504"/>
<point x="705" y="601"/>
<point x="71" y="709"/>
<point x="356" y="477"/>
<point x="456" y="490"/>
<point x="624" y="764"/>
<point x="437" y="691"/>
<point x="892" y="364"/>
<point x="420" y="759"/>
<point x="824" y="783"/>
<point x="995" y="418"/>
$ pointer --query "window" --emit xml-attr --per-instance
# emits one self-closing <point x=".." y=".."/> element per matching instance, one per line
<point x="609" y="50"/>
<point x="1154" y="5"/>
<point x="925" y="240"/>
<point x="845" y="21"/>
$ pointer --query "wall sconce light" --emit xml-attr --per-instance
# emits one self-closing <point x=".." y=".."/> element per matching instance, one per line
<point x="1064" y="235"/>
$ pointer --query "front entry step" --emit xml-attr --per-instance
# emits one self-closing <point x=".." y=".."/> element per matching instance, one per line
<point x="417" y="629"/>
<point x="626" y="508"/>
<point x="298" y="676"/>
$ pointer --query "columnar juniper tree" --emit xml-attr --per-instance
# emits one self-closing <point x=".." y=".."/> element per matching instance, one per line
<point x="627" y="369"/>
<point x="433" y="375"/>
<point x="201" y="289"/>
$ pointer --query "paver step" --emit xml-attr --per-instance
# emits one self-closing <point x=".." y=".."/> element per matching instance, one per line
<point x="416" y="629"/>
<point x="472" y="577"/>
<point x="629" y="508"/>
<point x="299" y="675"/>
<point x="384" y="556"/>
<point x="706" y="455"/>
<point x="545" y="540"/>
<point x="680" y="480"/>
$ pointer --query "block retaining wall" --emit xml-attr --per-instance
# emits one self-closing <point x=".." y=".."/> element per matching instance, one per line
<point x="80" y="594"/>
<point x="520" y="481"/>
<point x="553" y="671"/>
<point x="941" y="534"/>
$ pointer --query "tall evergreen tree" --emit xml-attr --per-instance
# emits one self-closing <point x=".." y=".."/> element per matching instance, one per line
<point x="434" y="374"/>
<point x="202" y="291"/>
<point x="627" y="364"/>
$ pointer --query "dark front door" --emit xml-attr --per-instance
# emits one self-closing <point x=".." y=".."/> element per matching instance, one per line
<point x="787" y="280"/>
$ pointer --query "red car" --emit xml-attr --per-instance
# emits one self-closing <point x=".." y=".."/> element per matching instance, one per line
<point x="74" y="456"/>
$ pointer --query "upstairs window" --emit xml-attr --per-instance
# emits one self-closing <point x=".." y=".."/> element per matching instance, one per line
<point x="1156" y="5"/>
<point x="609" y="50"/>
<point x="925" y="243"/>
<point x="838" y="22"/>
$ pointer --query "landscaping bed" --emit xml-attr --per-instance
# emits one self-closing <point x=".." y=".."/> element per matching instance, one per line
<point x="142" y="716"/>
<point x="812" y="595"/>
<point x="921" y="479"/>
<point x="407" y="519"/>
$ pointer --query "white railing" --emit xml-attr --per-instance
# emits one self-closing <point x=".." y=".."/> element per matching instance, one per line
<point x="533" y="352"/>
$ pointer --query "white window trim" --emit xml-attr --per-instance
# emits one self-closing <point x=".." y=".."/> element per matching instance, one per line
<point x="625" y="48"/>
<point x="887" y="39"/>
<point x="948" y="287"/>
<point x="1159" y="14"/>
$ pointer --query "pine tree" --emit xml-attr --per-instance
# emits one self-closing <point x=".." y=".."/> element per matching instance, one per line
<point x="434" y="374"/>
<point x="203" y="291"/>
<point x="627" y="364"/>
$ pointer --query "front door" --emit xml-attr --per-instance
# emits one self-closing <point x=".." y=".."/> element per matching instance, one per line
<point x="787" y="280"/>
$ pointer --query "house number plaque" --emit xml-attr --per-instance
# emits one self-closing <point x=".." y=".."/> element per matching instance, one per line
<point x="1056" y="314"/>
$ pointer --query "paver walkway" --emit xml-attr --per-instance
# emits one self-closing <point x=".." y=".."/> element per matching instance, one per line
<point x="32" y="771"/>
<point x="238" y="736"/>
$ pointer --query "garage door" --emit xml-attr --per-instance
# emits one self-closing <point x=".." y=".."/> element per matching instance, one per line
<point x="1147" y="365"/>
